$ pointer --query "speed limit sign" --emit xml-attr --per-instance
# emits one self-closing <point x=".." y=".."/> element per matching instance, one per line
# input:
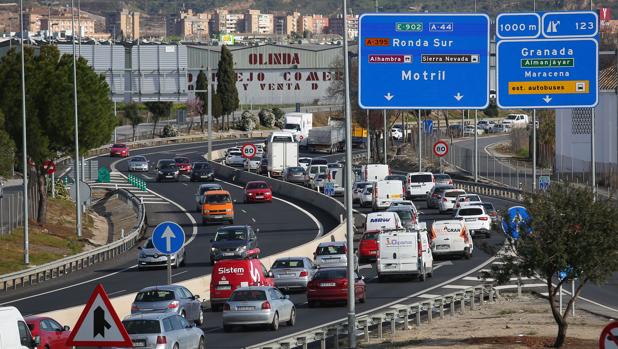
<point x="440" y="148"/>
<point x="248" y="150"/>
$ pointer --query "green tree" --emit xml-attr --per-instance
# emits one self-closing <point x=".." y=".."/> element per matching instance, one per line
<point x="201" y="88"/>
<point x="569" y="232"/>
<point x="7" y="150"/>
<point x="217" y="108"/>
<point x="158" y="111"/>
<point x="226" y="83"/>
<point x="131" y="113"/>
<point x="49" y="108"/>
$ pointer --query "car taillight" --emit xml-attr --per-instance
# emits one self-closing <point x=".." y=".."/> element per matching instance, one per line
<point x="420" y="248"/>
<point x="226" y="306"/>
<point x="450" y="181"/>
<point x="483" y="218"/>
<point x="173" y="305"/>
<point x="303" y="274"/>
<point x="444" y="199"/>
<point x="134" y="307"/>
<point x="345" y="250"/>
<point x="266" y="305"/>
<point x="161" y="340"/>
<point x="457" y="205"/>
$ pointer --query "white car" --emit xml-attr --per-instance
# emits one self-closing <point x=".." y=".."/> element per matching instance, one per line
<point x="469" y="130"/>
<point x="252" y="164"/>
<point x="228" y="150"/>
<point x="396" y="134"/>
<point x="366" y="197"/>
<point x="318" y="182"/>
<point x="467" y="200"/>
<point x="476" y="220"/>
<point x="259" y="150"/>
<point x="234" y="158"/>
<point x="357" y="190"/>
<point x="501" y="128"/>
<point x="332" y="254"/>
<point x="486" y="124"/>
<point x="396" y="203"/>
<point x="304" y="162"/>
<point x="419" y="184"/>
<point x="451" y="237"/>
<point x="448" y="198"/>
<point x="315" y="170"/>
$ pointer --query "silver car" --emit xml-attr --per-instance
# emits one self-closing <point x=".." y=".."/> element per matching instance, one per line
<point x="169" y="299"/>
<point x="295" y="174"/>
<point x="333" y="254"/>
<point x="149" y="257"/>
<point x="293" y="272"/>
<point x="234" y="158"/>
<point x="138" y="163"/>
<point x="163" y="331"/>
<point x="258" y="305"/>
<point x="252" y="164"/>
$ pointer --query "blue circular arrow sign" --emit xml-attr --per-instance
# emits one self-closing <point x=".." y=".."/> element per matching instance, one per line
<point x="516" y="221"/>
<point x="168" y="237"/>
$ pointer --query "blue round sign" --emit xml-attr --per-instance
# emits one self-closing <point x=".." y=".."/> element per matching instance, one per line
<point x="518" y="221"/>
<point x="168" y="237"/>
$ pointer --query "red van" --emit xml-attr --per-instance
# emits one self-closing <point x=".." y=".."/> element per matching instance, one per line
<point x="230" y="274"/>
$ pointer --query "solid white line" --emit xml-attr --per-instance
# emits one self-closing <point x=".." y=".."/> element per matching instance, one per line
<point x="113" y="293"/>
<point x="456" y="286"/>
<point x="243" y="211"/>
<point x="253" y="219"/>
<point x="428" y="296"/>
<point x="182" y="272"/>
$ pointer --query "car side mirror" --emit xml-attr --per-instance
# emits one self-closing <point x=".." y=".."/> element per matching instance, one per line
<point x="196" y="297"/>
<point x="66" y="328"/>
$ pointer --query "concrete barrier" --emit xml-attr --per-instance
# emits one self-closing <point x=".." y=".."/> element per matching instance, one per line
<point x="201" y="285"/>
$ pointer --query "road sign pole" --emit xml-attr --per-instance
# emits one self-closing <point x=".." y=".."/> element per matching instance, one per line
<point x="210" y="87"/>
<point x="24" y="142"/>
<point x="368" y="140"/>
<point x="533" y="149"/>
<point x="573" y="296"/>
<point x="169" y="269"/>
<point x="476" y="146"/>
<point x="385" y="139"/>
<point x="560" y="291"/>
<point x="420" y="154"/>
<point x="53" y="184"/>
<point x="593" y="156"/>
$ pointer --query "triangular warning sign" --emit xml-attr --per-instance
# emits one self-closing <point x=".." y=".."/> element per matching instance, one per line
<point x="99" y="325"/>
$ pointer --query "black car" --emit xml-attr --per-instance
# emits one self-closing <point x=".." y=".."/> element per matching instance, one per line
<point x="202" y="171"/>
<point x="167" y="170"/>
<point x="263" y="169"/>
<point x="234" y="242"/>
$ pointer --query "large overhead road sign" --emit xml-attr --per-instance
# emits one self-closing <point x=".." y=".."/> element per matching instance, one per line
<point x="423" y="61"/>
<point x="553" y="63"/>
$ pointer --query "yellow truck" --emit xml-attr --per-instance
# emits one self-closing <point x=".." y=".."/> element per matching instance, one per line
<point x="359" y="136"/>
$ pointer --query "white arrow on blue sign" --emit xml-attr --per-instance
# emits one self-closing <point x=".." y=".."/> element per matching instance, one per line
<point x="168" y="237"/>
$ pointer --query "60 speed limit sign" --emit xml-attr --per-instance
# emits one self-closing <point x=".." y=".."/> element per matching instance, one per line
<point x="440" y="148"/>
<point x="248" y="150"/>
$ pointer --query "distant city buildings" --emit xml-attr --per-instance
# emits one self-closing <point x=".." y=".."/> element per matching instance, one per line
<point x="124" y="24"/>
<point x="335" y="26"/>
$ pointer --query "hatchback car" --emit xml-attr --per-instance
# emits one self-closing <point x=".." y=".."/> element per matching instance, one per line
<point x="433" y="197"/>
<point x="169" y="299"/>
<point x="366" y="197"/>
<point x="163" y="331"/>
<point x="296" y="174"/>
<point x="407" y="214"/>
<point x="258" y="305"/>
<point x="318" y="182"/>
<point x="332" y="254"/>
<point x="258" y="191"/>
<point x="331" y="285"/>
<point x="149" y="256"/>
<point x="167" y="170"/>
<point x="443" y="179"/>
<point x="119" y="149"/>
<point x="52" y="335"/>
<point x="357" y="191"/>
<point x="476" y="220"/>
<point x="448" y="198"/>
<point x="368" y="246"/>
<point x="183" y="164"/>
<point x="491" y="211"/>
<point x="202" y="171"/>
<point x="234" y="158"/>
<point x="292" y="272"/>
<point x="467" y="200"/>
<point x="234" y="242"/>
<point x="252" y="164"/>
<point x="304" y="162"/>
<point x="263" y="170"/>
<point x="138" y="163"/>
<point x="204" y="188"/>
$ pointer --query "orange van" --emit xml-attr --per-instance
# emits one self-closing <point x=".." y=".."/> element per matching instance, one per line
<point x="217" y="206"/>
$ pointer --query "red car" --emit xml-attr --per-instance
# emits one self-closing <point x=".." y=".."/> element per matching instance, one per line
<point x="368" y="246"/>
<point x="52" y="334"/>
<point x="258" y="191"/>
<point x="119" y="149"/>
<point x="183" y="164"/>
<point x="331" y="285"/>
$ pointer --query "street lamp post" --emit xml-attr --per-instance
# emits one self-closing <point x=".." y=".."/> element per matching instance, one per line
<point x="78" y="204"/>
<point x="24" y="141"/>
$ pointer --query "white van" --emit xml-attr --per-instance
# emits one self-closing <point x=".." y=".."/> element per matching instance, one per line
<point x="382" y="221"/>
<point x="516" y="120"/>
<point x="14" y="332"/>
<point x="404" y="253"/>
<point x="451" y="237"/>
<point x="419" y="184"/>
<point x="385" y="192"/>
<point x="374" y="172"/>
<point x="336" y="175"/>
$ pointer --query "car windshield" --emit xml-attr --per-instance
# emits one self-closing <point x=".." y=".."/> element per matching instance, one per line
<point x="288" y="263"/>
<point x="319" y="162"/>
<point x="138" y="159"/>
<point x="171" y="167"/>
<point x="361" y="185"/>
<point x="320" y="177"/>
<point x="209" y="188"/>
<point x="230" y="234"/>
<point x="420" y="178"/>
<point x="368" y="189"/>
<point x="395" y="178"/>
<point x="119" y="146"/>
<point x="201" y="166"/>
<point x="149" y="244"/>
<point x="511" y="117"/>
<point x="469" y="198"/>
<point x="471" y="211"/>
<point x="304" y="161"/>
<point x="454" y="194"/>
<point x="442" y="177"/>
<point x="248" y="295"/>
<point x="488" y="206"/>
<point x="282" y="139"/>
<point x="370" y="236"/>
<point x="330" y="250"/>
<point x="142" y="326"/>
<point x="440" y="190"/>
<point x="257" y="185"/>
<point x="293" y="127"/>
<point x="296" y="170"/>
<point x="329" y="274"/>
<point x="235" y="153"/>
<point x="181" y="160"/>
<point x="155" y="296"/>
<point x="404" y="215"/>
<point x="218" y="199"/>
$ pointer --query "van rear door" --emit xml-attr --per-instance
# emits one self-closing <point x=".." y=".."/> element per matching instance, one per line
<point x="398" y="253"/>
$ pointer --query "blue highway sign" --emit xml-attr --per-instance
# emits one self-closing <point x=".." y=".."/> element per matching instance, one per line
<point x="570" y="24"/>
<point x="168" y="237"/>
<point x="544" y="182"/>
<point x="423" y="61"/>
<point x="518" y="26"/>
<point x="518" y="222"/>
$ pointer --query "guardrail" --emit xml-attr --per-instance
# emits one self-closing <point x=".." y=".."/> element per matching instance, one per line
<point x="398" y="315"/>
<point x="64" y="266"/>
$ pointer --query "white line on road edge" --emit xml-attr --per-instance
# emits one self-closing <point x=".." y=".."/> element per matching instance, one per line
<point x="113" y="293"/>
<point x="182" y="272"/>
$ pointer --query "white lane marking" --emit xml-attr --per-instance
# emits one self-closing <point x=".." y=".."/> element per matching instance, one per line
<point x="243" y="211"/>
<point x="213" y="330"/>
<point x="313" y="218"/>
<point x="428" y="296"/>
<point x="253" y="219"/>
<point x="113" y="293"/>
<point x="185" y="184"/>
<point x="182" y="272"/>
<point x="365" y="266"/>
<point x="147" y="176"/>
<point x="456" y="286"/>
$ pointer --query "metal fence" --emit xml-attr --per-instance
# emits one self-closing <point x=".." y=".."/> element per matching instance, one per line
<point x="12" y="207"/>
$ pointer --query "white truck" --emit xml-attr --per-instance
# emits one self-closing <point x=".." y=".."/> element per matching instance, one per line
<point x="327" y="139"/>
<point x="516" y="121"/>
<point x="282" y="152"/>
<point x="374" y="172"/>
<point x="404" y="253"/>
<point x="299" y="125"/>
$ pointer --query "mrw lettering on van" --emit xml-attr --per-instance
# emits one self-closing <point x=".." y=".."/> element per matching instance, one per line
<point x="380" y="220"/>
